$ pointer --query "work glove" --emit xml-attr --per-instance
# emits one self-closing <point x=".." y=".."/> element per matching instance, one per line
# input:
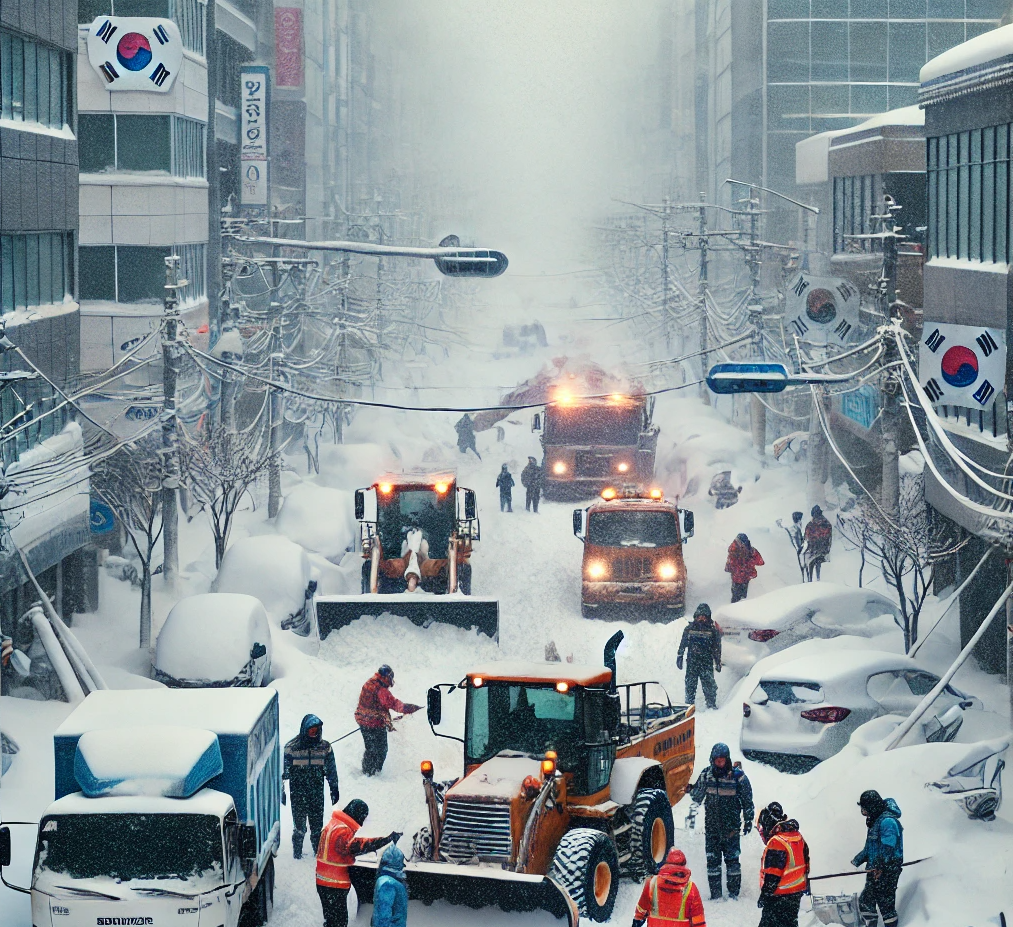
<point x="857" y="861"/>
<point x="394" y="836"/>
<point x="747" y="827"/>
<point x="284" y="799"/>
<point x="411" y="709"/>
<point x="760" y="901"/>
<point x="637" y="923"/>
<point x="678" y="661"/>
<point x="717" y="667"/>
<point x="335" y="796"/>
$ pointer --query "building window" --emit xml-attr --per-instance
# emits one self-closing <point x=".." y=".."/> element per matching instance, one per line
<point x="136" y="274"/>
<point x="34" y="82"/>
<point x="968" y="187"/>
<point x="171" y="144"/>
<point x="35" y="270"/>
<point x="189" y="15"/>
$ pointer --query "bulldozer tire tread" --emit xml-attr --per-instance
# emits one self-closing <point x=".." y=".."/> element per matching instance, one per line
<point x="649" y="806"/>
<point x="422" y="844"/>
<point x="464" y="579"/>
<point x="577" y="857"/>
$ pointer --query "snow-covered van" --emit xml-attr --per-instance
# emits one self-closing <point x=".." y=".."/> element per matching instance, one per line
<point x="167" y="811"/>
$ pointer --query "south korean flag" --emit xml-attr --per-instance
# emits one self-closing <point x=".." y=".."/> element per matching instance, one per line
<point x="135" y="52"/>
<point x="821" y="310"/>
<point x="962" y="365"/>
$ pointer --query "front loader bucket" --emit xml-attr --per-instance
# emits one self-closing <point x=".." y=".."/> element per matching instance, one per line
<point x="473" y="885"/>
<point x="462" y="611"/>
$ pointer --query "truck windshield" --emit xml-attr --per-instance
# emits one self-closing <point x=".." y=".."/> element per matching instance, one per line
<point x="426" y="509"/>
<point x="632" y="529"/>
<point x="127" y="847"/>
<point x="593" y="425"/>
<point x="520" y="718"/>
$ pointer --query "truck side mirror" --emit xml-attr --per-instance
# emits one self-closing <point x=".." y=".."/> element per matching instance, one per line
<point x="470" y="505"/>
<point x="248" y="841"/>
<point x="5" y="846"/>
<point x="688" y="524"/>
<point x="578" y="523"/>
<point x="360" y="504"/>
<point x="536" y="422"/>
<point x="434" y="706"/>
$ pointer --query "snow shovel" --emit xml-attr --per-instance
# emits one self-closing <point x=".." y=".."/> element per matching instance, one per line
<point x="842" y="909"/>
<point x="462" y="611"/>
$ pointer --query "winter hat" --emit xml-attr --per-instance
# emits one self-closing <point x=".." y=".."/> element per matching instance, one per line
<point x="392" y="861"/>
<point x="503" y="467"/>
<point x="743" y="539"/>
<point x="675" y="857"/>
<point x="872" y="802"/>
<point x="308" y="722"/>
<point x="816" y="510"/>
<point x="702" y="609"/>
<point x="385" y="671"/>
<point x="770" y="816"/>
<point x="532" y="459"/>
<point x="720" y="749"/>
<point x="357" y="810"/>
<point x="797" y="516"/>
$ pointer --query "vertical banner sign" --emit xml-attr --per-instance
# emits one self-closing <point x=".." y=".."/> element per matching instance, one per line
<point x="253" y="123"/>
<point x="288" y="49"/>
<point x="962" y="365"/>
<point x="823" y="310"/>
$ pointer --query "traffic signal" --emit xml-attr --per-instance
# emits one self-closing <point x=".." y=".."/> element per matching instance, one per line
<point x="472" y="262"/>
<point x="747" y="378"/>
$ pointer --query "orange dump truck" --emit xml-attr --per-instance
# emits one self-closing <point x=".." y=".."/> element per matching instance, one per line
<point x="633" y="554"/>
<point x="569" y="782"/>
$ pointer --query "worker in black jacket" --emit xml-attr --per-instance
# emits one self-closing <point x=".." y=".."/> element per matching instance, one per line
<point x="309" y="760"/>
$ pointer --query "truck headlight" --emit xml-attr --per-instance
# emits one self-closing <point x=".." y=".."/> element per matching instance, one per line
<point x="667" y="571"/>
<point x="559" y="467"/>
<point x="596" y="570"/>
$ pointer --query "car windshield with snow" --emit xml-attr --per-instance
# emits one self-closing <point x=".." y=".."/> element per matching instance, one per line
<point x="632" y="529"/>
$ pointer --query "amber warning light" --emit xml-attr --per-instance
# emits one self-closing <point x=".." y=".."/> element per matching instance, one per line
<point x="427" y="768"/>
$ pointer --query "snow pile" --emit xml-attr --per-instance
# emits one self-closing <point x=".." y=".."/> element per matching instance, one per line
<point x="274" y="569"/>
<point x="210" y="636"/>
<point x="345" y="466"/>
<point x="830" y="605"/>
<point x="173" y="762"/>
<point x="319" y="519"/>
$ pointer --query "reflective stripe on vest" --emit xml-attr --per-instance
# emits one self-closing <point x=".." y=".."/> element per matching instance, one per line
<point x="680" y="918"/>
<point x="332" y="866"/>
<point x="793" y="878"/>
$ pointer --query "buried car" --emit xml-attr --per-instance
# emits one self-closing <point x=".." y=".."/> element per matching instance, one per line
<point x="216" y="639"/>
<point x="804" y="711"/>
<point x="754" y="628"/>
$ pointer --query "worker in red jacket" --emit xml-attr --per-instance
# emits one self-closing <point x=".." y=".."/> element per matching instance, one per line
<point x="784" y="868"/>
<point x="743" y="559"/>
<point x="376" y="702"/>
<point x="336" y="852"/>
<point x="670" y="899"/>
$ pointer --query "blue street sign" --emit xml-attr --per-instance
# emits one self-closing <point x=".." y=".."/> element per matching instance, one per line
<point x="747" y="378"/>
<point x="102" y="518"/>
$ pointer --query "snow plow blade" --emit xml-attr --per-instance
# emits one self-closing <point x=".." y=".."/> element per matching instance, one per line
<point x="474" y="886"/>
<point x="462" y="611"/>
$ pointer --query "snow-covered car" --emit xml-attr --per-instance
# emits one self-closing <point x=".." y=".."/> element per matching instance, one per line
<point x="754" y="628"/>
<point x="804" y="711"/>
<point x="215" y="639"/>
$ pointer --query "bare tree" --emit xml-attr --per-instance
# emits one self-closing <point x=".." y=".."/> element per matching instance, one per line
<point x="218" y="470"/>
<point x="906" y="548"/>
<point x="130" y="483"/>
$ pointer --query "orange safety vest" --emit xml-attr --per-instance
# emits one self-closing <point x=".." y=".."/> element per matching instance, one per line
<point x="333" y="857"/>
<point x="657" y="919"/>
<point x="794" y="876"/>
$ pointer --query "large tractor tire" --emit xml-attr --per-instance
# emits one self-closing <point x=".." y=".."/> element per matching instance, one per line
<point x="587" y="866"/>
<point x="464" y="578"/>
<point x="652" y="833"/>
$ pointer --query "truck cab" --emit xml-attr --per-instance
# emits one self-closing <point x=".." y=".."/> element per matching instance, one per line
<point x="633" y="554"/>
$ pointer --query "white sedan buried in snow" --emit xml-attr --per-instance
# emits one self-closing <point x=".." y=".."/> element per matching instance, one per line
<point x="804" y="711"/>
<point x="754" y="628"/>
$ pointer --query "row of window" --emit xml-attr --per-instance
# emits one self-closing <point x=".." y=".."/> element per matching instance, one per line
<point x="860" y="51"/>
<point x="818" y="107"/>
<point x="135" y="274"/>
<point x="113" y="142"/>
<point x="969" y="183"/>
<point x="35" y="270"/>
<point x="886" y="9"/>
<point x="35" y="82"/>
<point x="857" y="199"/>
<point x="187" y="14"/>
<point x="14" y="400"/>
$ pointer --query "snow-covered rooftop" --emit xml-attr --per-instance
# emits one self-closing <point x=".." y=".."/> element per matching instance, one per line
<point x="986" y="48"/>
<point x="206" y="801"/>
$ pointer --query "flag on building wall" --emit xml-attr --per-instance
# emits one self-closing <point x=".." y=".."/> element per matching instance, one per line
<point x="288" y="47"/>
<point x="962" y="365"/>
<point x="135" y="52"/>
<point x="823" y="310"/>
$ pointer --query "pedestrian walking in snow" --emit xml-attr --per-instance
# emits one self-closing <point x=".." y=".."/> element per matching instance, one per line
<point x="531" y="480"/>
<point x="309" y="761"/>
<point x="743" y="559"/>
<point x="727" y="800"/>
<point x="390" y="892"/>
<point x="797" y="539"/>
<point x="376" y="702"/>
<point x="670" y="899"/>
<point x="702" y="640"/>
<point x="465" y="429"/>
<point x="883" y="856"/>
<point x="336" y="852"/>
<point x="505" y="484"/>
<point x="724" y="493"/>
<point x="819" y="535"/>
<point x="784" y="868"/>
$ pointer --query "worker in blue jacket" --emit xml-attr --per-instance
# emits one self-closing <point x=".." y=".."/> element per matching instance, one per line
<point x="390" y="893"/>
<point x="883" y="856"/>
<point x="309" y="763"/>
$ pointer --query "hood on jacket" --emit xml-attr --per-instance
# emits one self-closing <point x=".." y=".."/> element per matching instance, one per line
<point x="891" y="808"/>
<point x="309" y="721"/>
<point x="720" y="749"/>
<point x="392" y="863"/>
<point x="673" y="877"/>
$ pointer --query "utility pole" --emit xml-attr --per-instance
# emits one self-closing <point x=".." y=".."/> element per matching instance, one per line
<point x="665" y="214"/>
<point x="170" y="448"/>
<point x="889" y="430"/>
<point x="818" y="459"/>
<point x="275" y="418"/>
<point x="702" y="293"/>
<point x="757" y="410"/>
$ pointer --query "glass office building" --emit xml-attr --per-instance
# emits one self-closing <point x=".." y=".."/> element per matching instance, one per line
<point x="832" y="63"/>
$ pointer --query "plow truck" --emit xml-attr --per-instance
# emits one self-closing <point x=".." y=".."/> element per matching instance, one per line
<point x="633" y="562"/>
<point x="569" y="782"/>
<point x="417" y="531"/>
<point x="591" y="442"/>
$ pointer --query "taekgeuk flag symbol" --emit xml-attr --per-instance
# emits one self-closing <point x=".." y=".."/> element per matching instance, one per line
<point x="962" y="365"/>
<point x="138" y="53"/>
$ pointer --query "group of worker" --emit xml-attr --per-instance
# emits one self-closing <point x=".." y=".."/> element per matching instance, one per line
<point x="309" y="766"/>
<point x="671" y="899"/>
<point x="532" y="479"/>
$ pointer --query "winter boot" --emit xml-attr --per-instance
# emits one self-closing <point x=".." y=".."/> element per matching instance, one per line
<point x="714" y="875"/>
<point x="297" y="842"/>
<point x="734" y="878"/>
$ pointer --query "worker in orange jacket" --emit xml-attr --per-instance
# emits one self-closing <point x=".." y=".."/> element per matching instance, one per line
<point x="337" y="851"/>
<point x="670" y="899"/>
<point x="784" y="868"/>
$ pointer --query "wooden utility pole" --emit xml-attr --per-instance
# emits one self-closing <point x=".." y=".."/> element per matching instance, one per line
<point x="170" y="449"/>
